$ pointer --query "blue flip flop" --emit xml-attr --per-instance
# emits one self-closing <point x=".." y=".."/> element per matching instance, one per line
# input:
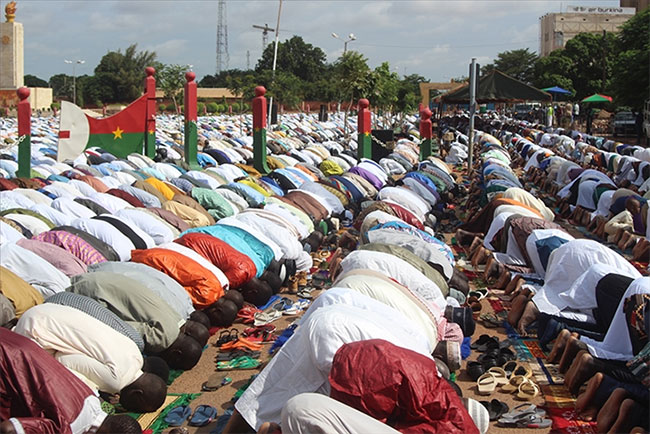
<point x="178" y="415"/>
<point x="203" y="415"/>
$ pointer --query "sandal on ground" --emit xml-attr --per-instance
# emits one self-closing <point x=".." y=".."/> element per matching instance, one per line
<point x="243" y="362"/>
<point x="496" y="409"/>
<point x="486" y="384"/>
<point x="513" y="384"/>
<point x="203" y="415"/>
<point x="178" y="415"/>
<point x="523" y="370"/>
<point x="475" y="370"/>
<point x="527" y="421"/>
<point x="499" y="375"/>
<point x="523" y="409"/>
<point x="215" y="381"/>
<point x="510" y="367"/>
<point x="527" y="390"/>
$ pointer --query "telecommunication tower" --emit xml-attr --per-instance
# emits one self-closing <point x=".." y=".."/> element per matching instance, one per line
<point x="222" y="38"/>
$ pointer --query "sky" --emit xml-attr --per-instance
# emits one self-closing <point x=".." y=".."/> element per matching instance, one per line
<point x="434" y="38"/>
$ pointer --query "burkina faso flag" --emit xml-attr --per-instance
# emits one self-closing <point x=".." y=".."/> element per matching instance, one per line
<point x="120" y="134"/>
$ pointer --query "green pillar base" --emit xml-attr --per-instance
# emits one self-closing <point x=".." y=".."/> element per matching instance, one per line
<point x="190" y="145"/>
<point x="425" y="149"/>
<point x="259" y="151"/>
<point x="150" y="144"/>
<point x="364" y="146"/>
<point x="24" y="157"/>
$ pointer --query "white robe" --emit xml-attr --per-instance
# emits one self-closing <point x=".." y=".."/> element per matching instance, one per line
<point x="617" y="344"/>
<point x="304" y="361"/>
<point x="567" y="263"/>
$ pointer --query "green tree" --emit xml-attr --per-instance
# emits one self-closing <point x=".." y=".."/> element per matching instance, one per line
<point x="519" y="64"/>
<point x="630" y="66"/>
<point x="33" y="81"/>
<point x="89" y="91"/>
<point x="121" y="75"/>
<point x="242" y="85"/>
<point x="285" y="88"/>
<point x="61" y="85"/>
<point x="580" y="66"/>
<point x="552" y="70"/>
<point x="384" y="87"/>
<point x="351" y="76"/>
<point x="171" y="80"/>
<point x="296" y="57"/>
<point x="589" y="55"/>
<point x="408" y="94"/>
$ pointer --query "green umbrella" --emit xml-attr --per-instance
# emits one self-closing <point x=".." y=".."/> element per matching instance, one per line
<point x="597" y="97"/>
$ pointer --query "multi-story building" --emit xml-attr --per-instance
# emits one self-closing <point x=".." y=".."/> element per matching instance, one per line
<point x="556" y="29"/>
<point x="638" y="5"/>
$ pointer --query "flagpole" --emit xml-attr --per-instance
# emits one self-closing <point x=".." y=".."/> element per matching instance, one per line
<point x="275" y="60"/>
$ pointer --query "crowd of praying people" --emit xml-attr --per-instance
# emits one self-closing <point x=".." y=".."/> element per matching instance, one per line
<point x="114" y="271"/>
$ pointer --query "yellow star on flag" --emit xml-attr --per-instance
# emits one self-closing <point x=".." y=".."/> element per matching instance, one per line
<point x="366" y="133"/>
<point x="117" y="134"/>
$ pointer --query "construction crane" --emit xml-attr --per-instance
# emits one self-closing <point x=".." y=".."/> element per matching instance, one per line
<point x="222" y="38"/>
<point x="265" y="33"/>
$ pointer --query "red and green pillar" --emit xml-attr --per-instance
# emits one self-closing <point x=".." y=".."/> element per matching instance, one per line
<point x="259" y="130"/>
<point x="191" y="133"/>
<point x="426" y="133"/>
<point x="364" y="140"/>
<point x="150" y="133"/>
<point x="24" y="133"/>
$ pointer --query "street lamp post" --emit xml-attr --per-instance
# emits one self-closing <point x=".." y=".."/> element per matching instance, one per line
<point x="74" y="77"/>
<point x="351" y="38"/>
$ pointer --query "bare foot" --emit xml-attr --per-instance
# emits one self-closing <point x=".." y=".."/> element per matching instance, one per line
<point x="478" y="242"/>
<point x="641" y="251"/>
<point x="628" y="417"/>
<point x="491" y="268"/>
<point x="480" y="256"/>
<point x="503" y="280"/>
<point x="558" y="347"/>
<point x="585" y="408"/>
<point x="571" y="350"/>
<point x="517" y="309"/>
<point x="530" y="314"/>
<point x="609" y="413"/>
<point x="514" y="285"/>
<point x="580" y="371"/>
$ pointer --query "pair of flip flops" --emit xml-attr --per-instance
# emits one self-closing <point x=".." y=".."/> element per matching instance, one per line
<point x="203" y="415"/>
<point x="243" y="362"/>
<point x="524" y="416"/>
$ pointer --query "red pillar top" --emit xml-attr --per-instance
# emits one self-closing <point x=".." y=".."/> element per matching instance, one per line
<point x="24" y="112"/>
<point x="150" y="91"/>
<point x="190" y="97"/>
<point x="425" y="124"/>
<point x="363" y="120"/>
<point x="259" y="108"/>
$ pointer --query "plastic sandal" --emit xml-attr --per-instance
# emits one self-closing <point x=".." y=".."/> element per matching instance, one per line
<point x="527" y="390"/>
<point x="224" y="336"/>
<point x="522" y="410"/>
<point x="514" y="383"/>
<point x="215" y="381"/>
<point x="499" y="375"/>
<point x="178" y="415"/>
<point x="522" y="370"/>
<point x="486" y="384"/>
<point x="243" y="362"/>
<point x="203" y="415"/>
